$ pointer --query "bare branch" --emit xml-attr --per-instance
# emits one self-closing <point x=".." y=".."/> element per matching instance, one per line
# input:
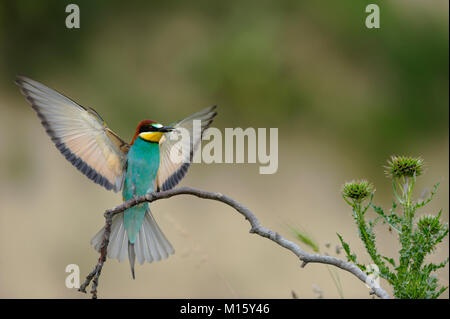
<point x="94" y="275"/>
<point x="256" y="228"/>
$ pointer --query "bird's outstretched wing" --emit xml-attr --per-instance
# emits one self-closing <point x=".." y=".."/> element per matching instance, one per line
<point x="172" y="171"/>
<point x="80" y="134"/>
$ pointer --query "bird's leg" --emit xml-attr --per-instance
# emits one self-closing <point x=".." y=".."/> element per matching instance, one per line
<point x="94" y="275"/>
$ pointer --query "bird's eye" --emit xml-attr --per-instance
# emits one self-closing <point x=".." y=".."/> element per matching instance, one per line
<point x="146" y="128"/>
<point x="154" y="127"/>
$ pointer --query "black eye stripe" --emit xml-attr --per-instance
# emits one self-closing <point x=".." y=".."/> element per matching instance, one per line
<point x="147" y="128"/>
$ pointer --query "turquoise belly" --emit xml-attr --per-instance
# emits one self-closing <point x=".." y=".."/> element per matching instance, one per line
<point x="143" y="164"/>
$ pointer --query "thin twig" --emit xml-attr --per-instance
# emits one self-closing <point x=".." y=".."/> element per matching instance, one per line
<point x="256" y="228"/>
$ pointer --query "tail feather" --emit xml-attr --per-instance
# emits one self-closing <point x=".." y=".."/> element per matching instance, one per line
<point x="118" y="242"/>
<point x="163" y="246"/>
<point x="131" y="257"/>
<point x="150" y="245"/>
<point x="117" y="247"/>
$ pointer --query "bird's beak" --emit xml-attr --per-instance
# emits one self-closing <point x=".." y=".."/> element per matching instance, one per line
<point x="165" y="129"/>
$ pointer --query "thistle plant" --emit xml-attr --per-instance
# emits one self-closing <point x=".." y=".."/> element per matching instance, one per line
<point x="410" y="276"/>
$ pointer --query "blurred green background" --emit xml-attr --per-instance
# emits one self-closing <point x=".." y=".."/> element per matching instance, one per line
<point x="344" y="98"/>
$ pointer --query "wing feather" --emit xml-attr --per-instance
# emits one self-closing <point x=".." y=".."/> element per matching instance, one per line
<point x="79" y="133"/>
<point x="170" y="172"/>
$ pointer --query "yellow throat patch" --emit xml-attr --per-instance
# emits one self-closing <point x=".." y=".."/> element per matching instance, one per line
<point x="151" y="136"/>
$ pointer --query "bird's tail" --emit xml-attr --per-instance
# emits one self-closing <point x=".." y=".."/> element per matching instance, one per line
<point x="150" y="245"/>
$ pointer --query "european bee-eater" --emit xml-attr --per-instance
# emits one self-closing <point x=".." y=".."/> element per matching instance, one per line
<point x="143" y="166"/>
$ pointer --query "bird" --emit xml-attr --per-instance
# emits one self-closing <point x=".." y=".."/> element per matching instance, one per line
<point x="144" y="165"/>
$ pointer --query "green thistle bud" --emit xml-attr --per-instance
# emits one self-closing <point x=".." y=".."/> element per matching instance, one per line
<point x="405" y="166"/>
<point x="357" y="190"/>
<point x="429" y="224"/>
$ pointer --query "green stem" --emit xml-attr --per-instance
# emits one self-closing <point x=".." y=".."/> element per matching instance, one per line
<point x="337" y="282"/>
<point x="369" y="243"/>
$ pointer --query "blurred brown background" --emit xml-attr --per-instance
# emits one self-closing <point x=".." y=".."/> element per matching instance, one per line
<point x="344" y="98"/>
